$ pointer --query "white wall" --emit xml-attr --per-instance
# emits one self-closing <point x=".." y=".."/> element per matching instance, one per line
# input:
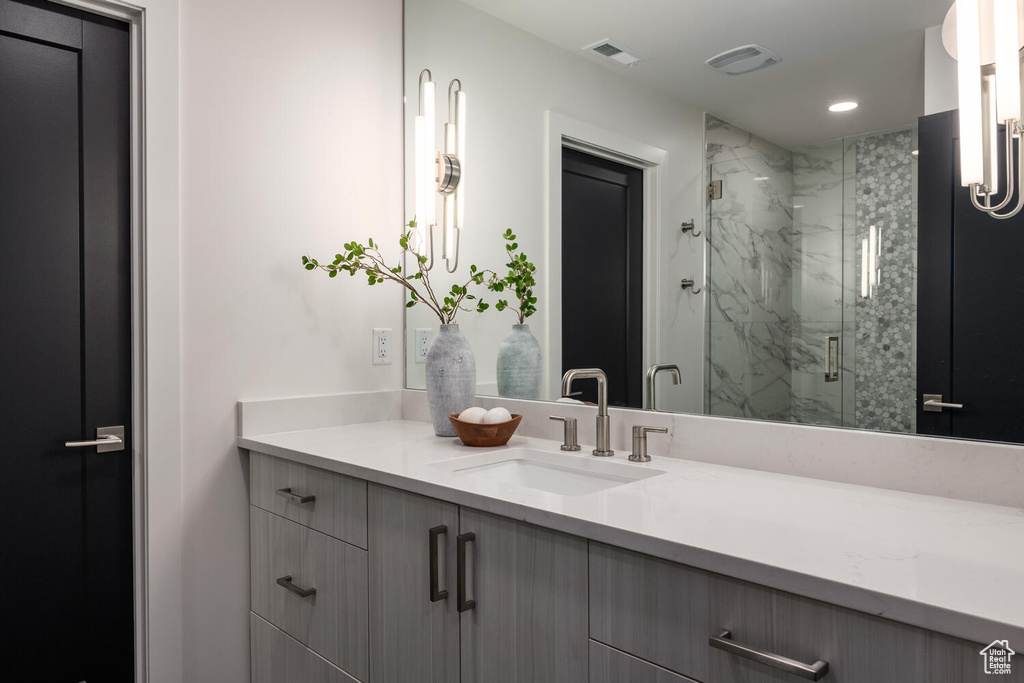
<point x="511" y="79"/>
<point x="940" y="79"/>
<point x="291" y="136"/>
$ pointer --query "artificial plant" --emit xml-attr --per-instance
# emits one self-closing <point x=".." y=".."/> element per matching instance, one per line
<point x="368" y="259"/>
<point x="519" y="279"/>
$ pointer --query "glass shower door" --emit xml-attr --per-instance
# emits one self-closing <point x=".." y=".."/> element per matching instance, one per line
<point x="775" y="280"/>
<point x="750" y="287"/>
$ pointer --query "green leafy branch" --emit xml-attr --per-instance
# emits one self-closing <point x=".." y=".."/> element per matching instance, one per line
<point x="519" y="279"/>
<point x="367" y="259"/>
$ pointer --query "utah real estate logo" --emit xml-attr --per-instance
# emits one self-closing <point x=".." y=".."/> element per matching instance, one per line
<point x="997" y="657"/>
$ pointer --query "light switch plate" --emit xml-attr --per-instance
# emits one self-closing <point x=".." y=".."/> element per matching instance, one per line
<point x="381" y="346"/>
<point x="422" y="343"/>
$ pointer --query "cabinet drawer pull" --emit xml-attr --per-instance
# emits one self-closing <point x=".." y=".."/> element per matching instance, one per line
<point x="436" y="594"/>
<point x="286" y="583"/>
<point x="464" y="604"/>
<point x="813" y="672"/>
<point x="301" y="500"/>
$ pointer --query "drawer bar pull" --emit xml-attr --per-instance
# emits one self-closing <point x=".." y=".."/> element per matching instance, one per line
<point x="812" y="672"/>
<point x="436" y="593"/>
<point x="301" y="500"/>
<point x="286" y="583"/>
<point x="460" y="549"/>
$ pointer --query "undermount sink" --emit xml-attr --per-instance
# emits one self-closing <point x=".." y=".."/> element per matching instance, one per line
<point x="565" y="475"/>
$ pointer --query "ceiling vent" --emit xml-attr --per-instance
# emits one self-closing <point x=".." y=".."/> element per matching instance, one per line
<point x="616" y="52"/>
<point x="742" y="60"/>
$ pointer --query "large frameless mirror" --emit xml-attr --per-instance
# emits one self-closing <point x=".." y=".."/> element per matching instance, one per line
<point x="721" y="201"/>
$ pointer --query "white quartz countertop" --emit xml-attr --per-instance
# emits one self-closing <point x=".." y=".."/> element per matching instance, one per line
<point x="947" y="565"/>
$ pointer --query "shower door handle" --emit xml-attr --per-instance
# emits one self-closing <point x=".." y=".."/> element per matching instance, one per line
<point x="831" y="359"/>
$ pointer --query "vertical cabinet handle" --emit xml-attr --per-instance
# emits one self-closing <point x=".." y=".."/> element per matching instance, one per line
<point x="812" y="672"/>
<point x="464" y="604"/>
<point x="436" y="593"/>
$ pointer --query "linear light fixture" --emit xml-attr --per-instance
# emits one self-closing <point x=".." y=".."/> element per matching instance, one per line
<point x="440" y="173"/>
<point x="984" y="37"/>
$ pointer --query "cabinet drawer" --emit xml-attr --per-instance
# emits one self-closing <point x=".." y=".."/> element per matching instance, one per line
<point x="858" y="647"/>
<point x="651" y="608"/>
<point x="278" y="658"/>
<point x="333" y="621"/>
<point x="611" y="666"/>
<point x="338" y="505"/>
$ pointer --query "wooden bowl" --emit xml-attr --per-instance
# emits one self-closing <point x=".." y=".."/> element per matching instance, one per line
<point x="484" y="435"/>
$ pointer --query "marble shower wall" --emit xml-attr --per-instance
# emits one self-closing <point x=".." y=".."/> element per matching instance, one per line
<point x="886" y="305"/>
<point x="750" y="276"/>
<point x="784" y="274"/>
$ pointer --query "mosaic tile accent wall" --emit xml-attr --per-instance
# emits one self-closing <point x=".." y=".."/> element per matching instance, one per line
<point x="886" y="296"/>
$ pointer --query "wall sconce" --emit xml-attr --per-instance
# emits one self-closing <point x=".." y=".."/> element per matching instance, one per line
<point x="440" y="173"/>
<point x="984" y="37"/>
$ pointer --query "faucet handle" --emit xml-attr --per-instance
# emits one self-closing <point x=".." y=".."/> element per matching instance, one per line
<point x="640" y="433"/>
<point x="569" y="442"/>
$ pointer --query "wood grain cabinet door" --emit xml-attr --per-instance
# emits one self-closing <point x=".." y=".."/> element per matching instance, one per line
<point x="414" y="627"/>
<point x="312" y="587"/>
<point x="859" y="648"/>
<point x="279" y="658"/>
<point x="612" y="666"/>
<point x="527" y="588"/>
<point x="651" y="608"/>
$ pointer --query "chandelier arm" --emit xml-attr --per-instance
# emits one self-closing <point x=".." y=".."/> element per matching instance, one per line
<point x="1010" y="180"/>
<point x="456" y="235"/>
<point x="972" y="189"/>
<point x="429" y="239"/>
<point x="1011" y="184"/>
<point x="1020" y="198"/>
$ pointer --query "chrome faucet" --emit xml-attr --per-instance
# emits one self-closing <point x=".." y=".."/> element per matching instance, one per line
<point x="603" y="420"/>
<point x="652" y="373"/>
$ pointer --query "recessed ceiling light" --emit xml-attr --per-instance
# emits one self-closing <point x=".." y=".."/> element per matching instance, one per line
<point x="843" y="106"/>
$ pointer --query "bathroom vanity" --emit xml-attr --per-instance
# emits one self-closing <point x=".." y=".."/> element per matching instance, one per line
<point x="381" y="553"/>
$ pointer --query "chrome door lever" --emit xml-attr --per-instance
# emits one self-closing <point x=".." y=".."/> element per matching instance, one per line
<point x="108" y="440"/>
<point x="933" y="404"/>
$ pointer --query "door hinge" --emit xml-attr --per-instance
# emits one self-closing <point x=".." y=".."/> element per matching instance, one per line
<point x="715" y="189"/>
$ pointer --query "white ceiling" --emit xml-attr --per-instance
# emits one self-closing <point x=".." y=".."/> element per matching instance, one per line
<point x="871" y="51"/>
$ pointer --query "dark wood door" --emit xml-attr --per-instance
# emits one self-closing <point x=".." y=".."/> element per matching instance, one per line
<point x="66" y="611"/>
<point x="602" y="274"/>
<point x="971" y="297"/>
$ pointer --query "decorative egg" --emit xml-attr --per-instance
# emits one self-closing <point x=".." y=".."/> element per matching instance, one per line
<point x="497" y="416"/>
<point x="474" y="414"/>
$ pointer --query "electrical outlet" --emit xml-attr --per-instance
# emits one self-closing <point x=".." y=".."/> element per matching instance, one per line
<point x="381" y="346"/>
<point x="423" y="337"/>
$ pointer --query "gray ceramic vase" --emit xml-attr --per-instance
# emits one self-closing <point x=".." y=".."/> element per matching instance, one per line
<point x="520" y="364"/>
<point x="451" y="377"/>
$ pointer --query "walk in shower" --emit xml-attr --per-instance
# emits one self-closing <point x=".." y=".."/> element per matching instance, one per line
<point x="812" y="272"/>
